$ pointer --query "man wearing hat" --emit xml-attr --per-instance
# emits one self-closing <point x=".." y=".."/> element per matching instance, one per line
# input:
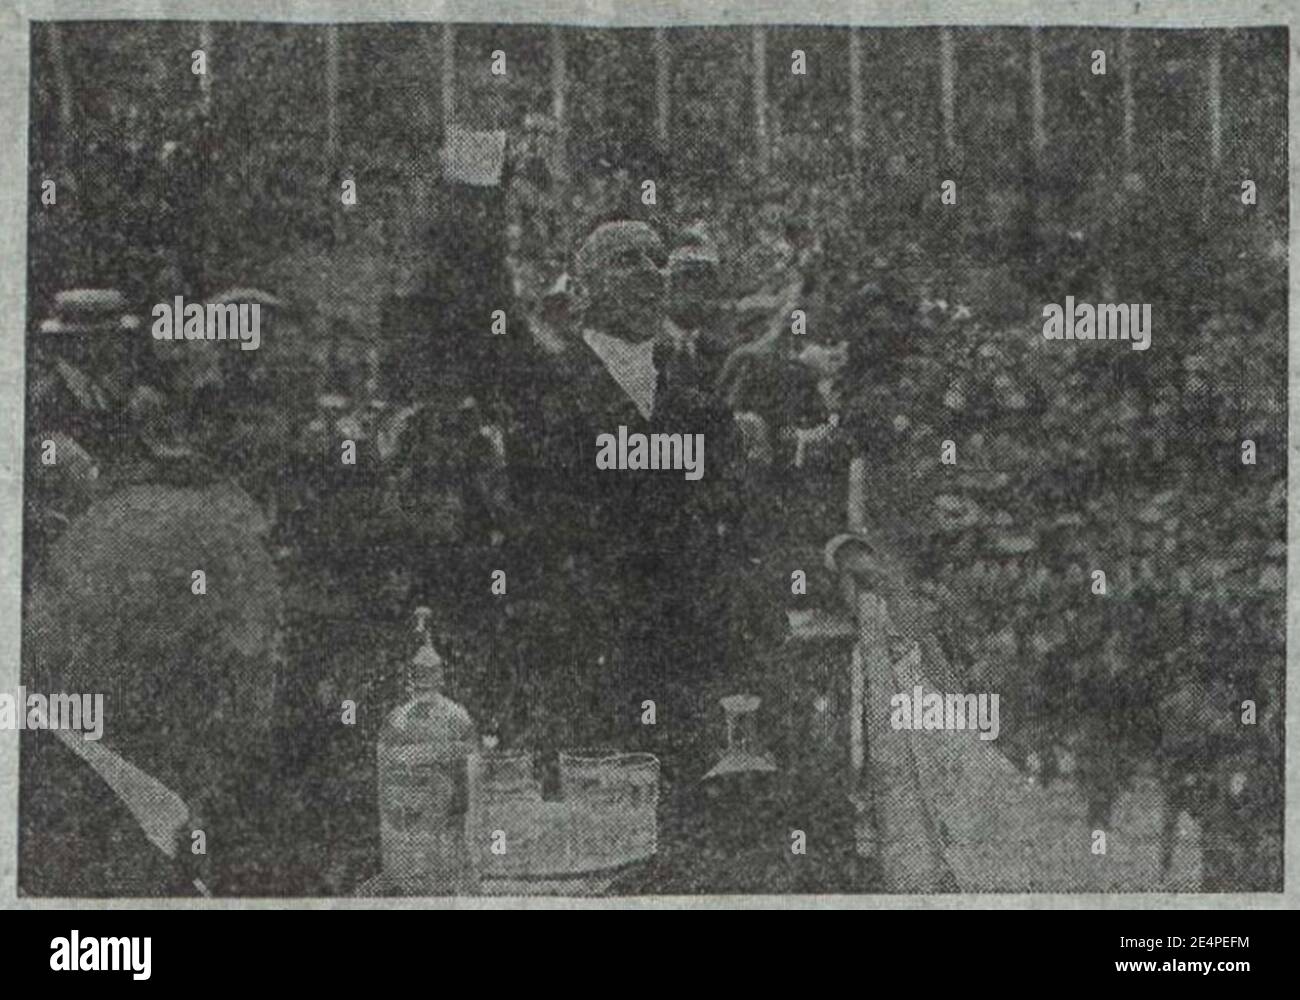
<point x="695" y="314"/>
<point x="83" y="365"/>
<point x="79" y="374"/>
<point x="552" y="324"/>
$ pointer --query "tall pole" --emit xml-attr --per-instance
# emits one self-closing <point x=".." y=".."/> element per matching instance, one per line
<point x="663" y="87"/>
<point x="1037" y="128"/>
<point x="448" y="68"/>
<point x="63" y="83"/>
<point x="595" y="84"/>
<point x="857" y="131"/>
<point x="1214" y="96"/>
<point x="857" y="500"/>
<point x="947" y="89"/>
<point x="71" y="236"/>
<point x="204" y="212"/>
<point x="907" y="841"/>
<point x="62" y="79"/>
<point x="1126" y="96"/>
<point x="1037" y="136"/>
<point x="759" y="43"/>
<point x="332" y="126"/>
<point x="332" y="91"/>
<point x="559" y="94"/>
<point x="205" y="80"/>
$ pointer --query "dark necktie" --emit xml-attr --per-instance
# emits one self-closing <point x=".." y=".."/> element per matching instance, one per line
<point x="665" y="356"/>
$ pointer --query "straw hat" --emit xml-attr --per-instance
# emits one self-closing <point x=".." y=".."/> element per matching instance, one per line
<point x="90" y="310"/>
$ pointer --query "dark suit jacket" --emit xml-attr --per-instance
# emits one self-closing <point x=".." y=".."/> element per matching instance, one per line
<point x="630" y="559"/>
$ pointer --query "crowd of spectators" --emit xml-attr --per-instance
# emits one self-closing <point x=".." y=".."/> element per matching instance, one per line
<point x="1070" y="457"/>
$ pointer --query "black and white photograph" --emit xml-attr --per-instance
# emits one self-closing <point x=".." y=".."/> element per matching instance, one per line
<point x="690" y="456"/>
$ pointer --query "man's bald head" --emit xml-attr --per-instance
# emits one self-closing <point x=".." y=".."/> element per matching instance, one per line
<point x="609" y="240"/>
<point x="619" y="270"/>
<point x="189" y="680"/>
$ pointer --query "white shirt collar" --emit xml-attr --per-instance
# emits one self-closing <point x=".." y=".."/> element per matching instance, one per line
<point x="631" y="365"/>
<point x="686" y="340"/>
<point x="160" y="812"/>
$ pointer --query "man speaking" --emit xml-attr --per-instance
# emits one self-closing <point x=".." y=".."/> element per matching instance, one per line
<point x="630" y="553"/>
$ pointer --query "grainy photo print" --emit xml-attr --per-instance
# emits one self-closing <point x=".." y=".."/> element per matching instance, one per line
<point x="693" y="458"/>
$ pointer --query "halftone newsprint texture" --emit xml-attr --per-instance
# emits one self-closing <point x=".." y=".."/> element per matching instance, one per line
<point x="563" y="453"/>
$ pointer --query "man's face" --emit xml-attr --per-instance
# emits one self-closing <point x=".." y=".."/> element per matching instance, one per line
<point x="622" y="267"/>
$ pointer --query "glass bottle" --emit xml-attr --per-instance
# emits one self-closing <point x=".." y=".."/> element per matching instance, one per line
<point x="422" y="776"/>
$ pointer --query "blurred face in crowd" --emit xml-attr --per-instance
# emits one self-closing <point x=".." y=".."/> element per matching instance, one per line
<point x="771" y="219"/>
<point x="799" y="233"/>
<point x="621" y="278"/>
<point x="693" y="293"/>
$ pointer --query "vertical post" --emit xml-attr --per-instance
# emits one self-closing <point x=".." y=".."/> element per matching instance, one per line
<point x="595" y="83"/>
<point x="663" y="87"/>
<point x="559" y="104"/>
<point x="857" y="522"/>
<point x="857" y="708"/>
<point x="203" y="214"/>
<point x="857" y="512"/>
<point x="63" y="82"/>
<point x="422" y="183"/>
<point x="857" y="131"/>
<point x="911" y="856"/>
<point x="205" y="81"/>
<point x="1126" y="81"/>
<point x="871" y="667"/>
<point x="1214" y="95"/>
<point x="448" y="68"/>
<point x="429" y="119"/>
<point x="947" y="89"/>
<point x="759" y="43"/>
<point x="70" y="235"/>
<point x="332" y="127"/>
<point x="906" y="839"/>
<point x="1037" y="129"/>
<point x="1037" y="135"/>
<point x="1207" y="213"/>
<point x="332" y="91"/>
